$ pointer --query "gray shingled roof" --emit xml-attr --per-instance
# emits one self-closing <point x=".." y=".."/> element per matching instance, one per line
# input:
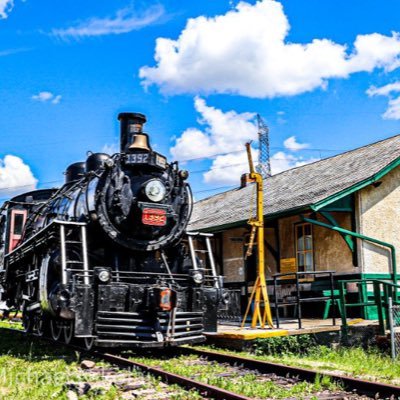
<point x="299" y="187"/>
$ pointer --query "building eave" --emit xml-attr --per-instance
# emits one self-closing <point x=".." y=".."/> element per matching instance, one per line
<point x="358" y="186"/>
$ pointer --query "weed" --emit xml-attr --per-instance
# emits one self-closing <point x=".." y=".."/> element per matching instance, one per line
<point x="297" y="344"/>
<point x="352" y="361"/>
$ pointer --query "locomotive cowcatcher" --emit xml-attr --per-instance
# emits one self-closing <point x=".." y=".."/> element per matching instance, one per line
<point x="105" y="258"/>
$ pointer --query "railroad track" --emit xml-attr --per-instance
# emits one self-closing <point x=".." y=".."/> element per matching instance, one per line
<point x="352" y="388"/>
<point x="360" y="386"/>
<point x="207" y="391"/>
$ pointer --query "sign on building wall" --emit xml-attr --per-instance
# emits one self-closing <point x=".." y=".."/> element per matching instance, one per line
<point x="288" y="265"/>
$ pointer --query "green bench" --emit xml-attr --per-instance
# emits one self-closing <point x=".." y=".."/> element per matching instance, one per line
<point x="324" y="287"/>
<point x="328" y="303"/>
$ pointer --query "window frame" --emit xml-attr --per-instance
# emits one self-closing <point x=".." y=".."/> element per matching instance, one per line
<point x="304" y="252"/>
<point x="13" y="237"/>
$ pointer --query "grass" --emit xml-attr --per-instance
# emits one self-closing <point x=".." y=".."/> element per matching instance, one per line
<point x="370" y="364"/>
<point x="248" y="384"/>
<point x="36" y="370"/>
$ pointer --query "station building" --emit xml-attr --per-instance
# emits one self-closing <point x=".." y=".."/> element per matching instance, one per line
<point x="358" y="190"/>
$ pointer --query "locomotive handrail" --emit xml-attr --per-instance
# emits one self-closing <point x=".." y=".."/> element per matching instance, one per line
<point x="40" y="233"/>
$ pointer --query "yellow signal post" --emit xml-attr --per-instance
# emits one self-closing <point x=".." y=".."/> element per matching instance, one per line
<point x="259" y="295"/>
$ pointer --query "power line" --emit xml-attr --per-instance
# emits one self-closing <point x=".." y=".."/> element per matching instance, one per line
<point x="9" y="188"/>
<point x="217" y="188"/>
<point x="273" y="147"/>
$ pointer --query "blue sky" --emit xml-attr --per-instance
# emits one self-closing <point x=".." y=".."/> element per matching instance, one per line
<point x="315" y="70"/>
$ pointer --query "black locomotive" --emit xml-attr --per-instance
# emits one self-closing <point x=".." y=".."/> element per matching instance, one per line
<point x="104" y="257"/>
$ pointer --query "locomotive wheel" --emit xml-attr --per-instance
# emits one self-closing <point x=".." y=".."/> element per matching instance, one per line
<point x="55" y="330"/>
<point x="88" y="343"/>
<point x="27" y="322"/>
<point x="40" y="325"/>
<point x="68" y="332"/>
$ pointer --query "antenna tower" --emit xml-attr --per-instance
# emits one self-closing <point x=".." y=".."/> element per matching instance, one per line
<point x="264" y="163"/>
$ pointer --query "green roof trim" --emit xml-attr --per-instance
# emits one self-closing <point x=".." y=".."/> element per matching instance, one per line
<point x="357" y="186"/>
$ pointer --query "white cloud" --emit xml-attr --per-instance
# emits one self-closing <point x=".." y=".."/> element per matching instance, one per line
<point x="291" y="144"/>
<point x="15" y="176"/>
<point x="246" y="52"/>
<point x="384" y="90"/>
<point x="5" y="8"/>
<point x="56" y="99"/>
<point x="227" y="132"/>
<point x="110" y="148"/>
<point x="125" y="20"/>
<point x="9" y="52"/>
<point x="223" y="132"/>
<point x="282" y="161"/>
<point x="228" y="169"/>
<point x="393" y="110"/>
<point x="45" y="97"/>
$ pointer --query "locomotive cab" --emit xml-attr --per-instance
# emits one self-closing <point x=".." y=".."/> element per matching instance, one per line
<point x="14" y="215"/>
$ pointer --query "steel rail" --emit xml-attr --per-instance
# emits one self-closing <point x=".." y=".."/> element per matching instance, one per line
<point x="205" y="390"/>
<point x="362" y="387"/>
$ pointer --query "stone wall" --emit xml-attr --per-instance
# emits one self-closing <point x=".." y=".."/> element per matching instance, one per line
<point x="234" y="264"/>
<point x="233" y="254"/>
<point x="379" y="217"/>
<point x="330" y="250"/>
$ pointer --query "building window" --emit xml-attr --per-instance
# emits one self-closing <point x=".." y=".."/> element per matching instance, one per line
<point x="304" y="248"/>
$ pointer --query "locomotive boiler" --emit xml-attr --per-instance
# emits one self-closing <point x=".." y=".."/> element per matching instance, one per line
<point x="105" y="258"/>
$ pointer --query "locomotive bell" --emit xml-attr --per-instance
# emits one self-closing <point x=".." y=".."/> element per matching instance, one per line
<point x="140" y="141"/>
<point x="131" y="125"/>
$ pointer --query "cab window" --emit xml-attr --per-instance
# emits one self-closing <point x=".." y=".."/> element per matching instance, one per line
<point x="18" y="218"/>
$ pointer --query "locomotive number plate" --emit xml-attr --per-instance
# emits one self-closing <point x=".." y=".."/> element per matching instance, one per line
<point x="154" y="216"/>
<point x="138" y="158"/>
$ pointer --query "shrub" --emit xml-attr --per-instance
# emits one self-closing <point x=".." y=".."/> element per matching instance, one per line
<point x="297" y="344"/>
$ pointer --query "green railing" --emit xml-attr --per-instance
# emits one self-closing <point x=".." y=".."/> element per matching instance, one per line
<point x="382" y="291"/>
<point x="392" y="249"/>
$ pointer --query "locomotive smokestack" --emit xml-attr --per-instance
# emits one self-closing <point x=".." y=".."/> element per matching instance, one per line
<point x="131" y="126"/>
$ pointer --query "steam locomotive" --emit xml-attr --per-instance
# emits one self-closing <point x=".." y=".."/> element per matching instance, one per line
<point x="105" y="258"/>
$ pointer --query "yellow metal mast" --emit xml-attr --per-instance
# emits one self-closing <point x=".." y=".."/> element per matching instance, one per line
<point x="261" y="311"/>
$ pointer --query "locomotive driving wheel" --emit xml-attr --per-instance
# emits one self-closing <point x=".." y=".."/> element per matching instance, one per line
<point x="68" y="332"/>
<point x="27" y="321"/>
<point x="40" y="324"/>
<point x="88" y="343"/>
<point x="55" y="329"/>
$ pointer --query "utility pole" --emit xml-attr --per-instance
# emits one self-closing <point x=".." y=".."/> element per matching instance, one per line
<point x="264" y="162"/>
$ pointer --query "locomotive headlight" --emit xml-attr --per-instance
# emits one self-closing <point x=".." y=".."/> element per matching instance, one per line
<point x="155" y="190"/>
<point x="104" y="276"/>
<point x="198" y="277"/>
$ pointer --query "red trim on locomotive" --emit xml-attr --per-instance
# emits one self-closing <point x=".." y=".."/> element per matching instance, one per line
<point x="16" y="227"/>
